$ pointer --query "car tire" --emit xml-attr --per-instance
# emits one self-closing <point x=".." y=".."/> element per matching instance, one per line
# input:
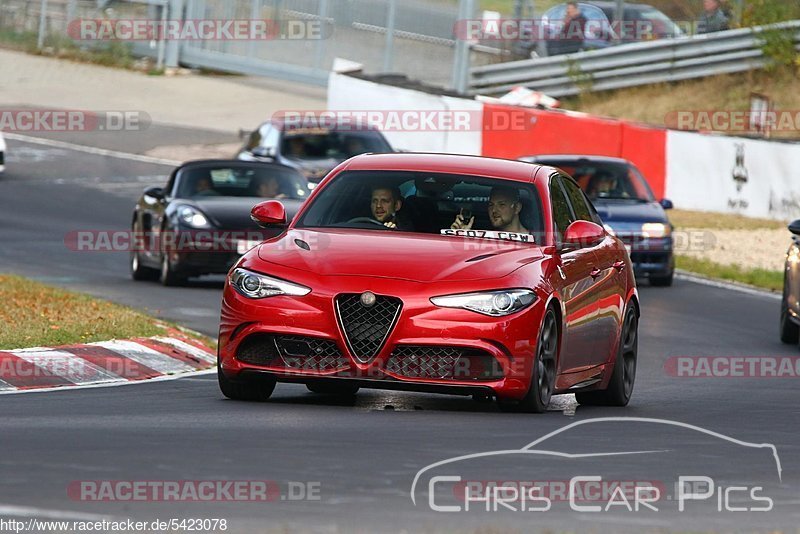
<point x="662" y="281"/>
<point x="790" y="331"/>
<point x="543" y="373"/>
<point x="138" y="271"/>
<point x="253" y="390"/>
<point x="168" y="276"/>
<point x="623" y="377"/>
<point x="328" y="388"/>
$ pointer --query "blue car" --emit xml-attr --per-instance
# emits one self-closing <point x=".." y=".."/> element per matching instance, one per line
<point x="628" y="208"/>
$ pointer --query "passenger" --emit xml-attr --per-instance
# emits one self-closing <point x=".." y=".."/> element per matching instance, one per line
<point x="204" y="187"/>
<point x="269" y="188"/>
<point x="504" y="210"/>
<point x="713" y="18"/>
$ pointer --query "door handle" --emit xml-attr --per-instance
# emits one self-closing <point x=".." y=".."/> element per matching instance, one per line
<point x="596" y="272"/>
<point x="619" y="266"/>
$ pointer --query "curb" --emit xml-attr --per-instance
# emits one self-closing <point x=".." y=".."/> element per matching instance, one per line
<point x="726" y="284"/>
<point x="104" y="363"/>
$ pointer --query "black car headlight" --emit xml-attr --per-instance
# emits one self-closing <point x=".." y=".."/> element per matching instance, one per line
<point x="258" y="286"/>
<point x="493" y="303"/>
<point x="192" y="217"/>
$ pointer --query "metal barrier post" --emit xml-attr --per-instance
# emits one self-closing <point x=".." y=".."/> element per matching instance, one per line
<point x="388" y="51"/>
<point x="42" y="25"/>
<point x="466" y="10"/>
<point x="172" y="53"/>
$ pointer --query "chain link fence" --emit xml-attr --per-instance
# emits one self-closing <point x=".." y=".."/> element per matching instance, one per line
<point x="414" y="38"/>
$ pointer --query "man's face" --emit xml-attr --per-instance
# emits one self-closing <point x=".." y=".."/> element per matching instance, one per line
<point x="502" y="210"/>
<point x="572" y="11"/>
<point x="383" y="205"/>
<point x="710" y="5"/>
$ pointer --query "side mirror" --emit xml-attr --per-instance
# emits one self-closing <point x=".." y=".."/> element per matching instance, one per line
<point x="269" y="214"/>
<point x="583" y="234"/>
<point x="156" y="193"/>
<point x="666" y="204"/>
<point x="263" y="152"/>
<point x="795" y="227"/>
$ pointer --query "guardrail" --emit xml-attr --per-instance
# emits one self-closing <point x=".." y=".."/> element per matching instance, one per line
<point x="631" y="65"/>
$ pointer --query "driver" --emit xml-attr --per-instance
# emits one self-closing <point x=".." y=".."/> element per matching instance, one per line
<point x="385" y="203"/>
<point x="505" y="206"/>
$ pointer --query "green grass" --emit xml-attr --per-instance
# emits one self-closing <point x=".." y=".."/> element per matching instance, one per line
<point x="719" y="221"/>
<point x="38" y="315"/>
<point x="111" y="54"/>
<point x="761" y="278"/>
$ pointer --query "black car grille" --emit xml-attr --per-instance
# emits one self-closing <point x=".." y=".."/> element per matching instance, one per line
<point x="457" y="363"/>
<point x="294" y="352"/>
<point x="367" y="327"/>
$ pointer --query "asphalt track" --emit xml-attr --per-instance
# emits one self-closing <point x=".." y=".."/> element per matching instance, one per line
<point x="364" y="455"/>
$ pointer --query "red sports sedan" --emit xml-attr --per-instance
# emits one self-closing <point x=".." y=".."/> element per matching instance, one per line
<point x="436" y="273"/>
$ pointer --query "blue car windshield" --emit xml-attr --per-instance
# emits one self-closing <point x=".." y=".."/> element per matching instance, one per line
<point x="607" y="180"/>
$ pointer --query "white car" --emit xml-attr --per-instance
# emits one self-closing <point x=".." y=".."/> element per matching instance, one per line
<point x="2" y="153"/>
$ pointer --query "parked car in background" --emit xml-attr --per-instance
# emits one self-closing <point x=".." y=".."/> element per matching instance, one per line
<point x="640" y="22"/>
<point x="312" y="151"/>
<point x="790" y="304"/>
<point x="627" y="206"/>
<point x="199" y="223"/>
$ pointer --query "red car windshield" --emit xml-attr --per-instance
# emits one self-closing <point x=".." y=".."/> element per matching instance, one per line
<point x="425" y="203"/>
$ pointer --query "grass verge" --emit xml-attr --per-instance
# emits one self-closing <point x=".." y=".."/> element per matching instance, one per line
<point x="112" y="54"/>
<point x="685" y="219"/>
<point x="37" y="315"/>
<point x="761" y="278"/>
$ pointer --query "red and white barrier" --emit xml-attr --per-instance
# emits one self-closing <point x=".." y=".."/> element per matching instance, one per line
<point x="698" y="171"/>
<point x="104" y="363"/>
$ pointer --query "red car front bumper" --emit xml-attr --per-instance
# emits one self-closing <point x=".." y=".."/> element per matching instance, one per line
<point x="429" y="348"/>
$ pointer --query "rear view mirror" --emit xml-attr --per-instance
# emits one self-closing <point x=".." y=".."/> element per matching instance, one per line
<point x="269" y="214"/>
<point x="263" y="152"/>
<point x="156" y="193"/>
<point x="795" y="227"/>
<point x="583" y="234"/>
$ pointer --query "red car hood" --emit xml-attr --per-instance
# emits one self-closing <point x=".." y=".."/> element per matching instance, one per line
<point x="414" y="257"/>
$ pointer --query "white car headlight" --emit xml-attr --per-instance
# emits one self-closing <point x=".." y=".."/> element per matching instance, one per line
<point x="192" y="217"/>
<point x="656" y="230"/>
<point x="258" y="286"/>
<point x="492" y="303"/>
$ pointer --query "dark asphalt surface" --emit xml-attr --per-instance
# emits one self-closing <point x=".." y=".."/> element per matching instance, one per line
<point x="364" y="455"/>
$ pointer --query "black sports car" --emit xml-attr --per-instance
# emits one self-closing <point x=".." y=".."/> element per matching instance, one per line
<point x="199" y="223"/>
<point x="790" y="304"/>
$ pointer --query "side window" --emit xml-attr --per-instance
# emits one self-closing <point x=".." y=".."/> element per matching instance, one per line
<point x="576" y="198"/>
<point x="561" y="213"/>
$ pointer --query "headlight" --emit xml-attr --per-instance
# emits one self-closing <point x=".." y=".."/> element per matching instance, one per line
<point x="492" y="303"/>
<point x="192" y="217"/>
<point x="656" y="230"/>
<point x="258" y="286"/>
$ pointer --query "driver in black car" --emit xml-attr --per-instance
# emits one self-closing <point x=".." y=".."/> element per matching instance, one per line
<point x="385" y="203"/>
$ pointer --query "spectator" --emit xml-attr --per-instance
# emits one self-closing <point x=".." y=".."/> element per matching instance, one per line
<point x="713" y="18"/>
<point x="574" y="31"/>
